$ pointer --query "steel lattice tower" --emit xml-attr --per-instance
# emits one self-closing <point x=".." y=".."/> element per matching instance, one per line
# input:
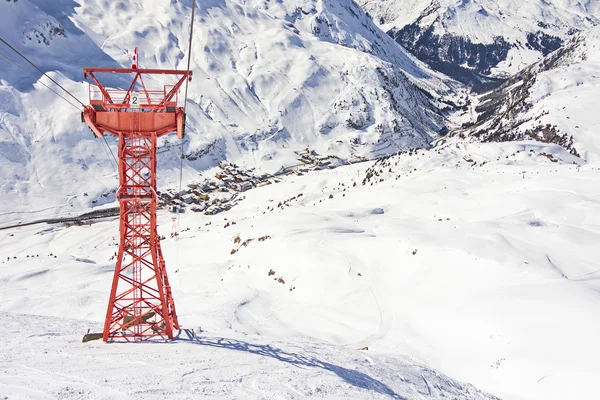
<point x="141" y="305"/>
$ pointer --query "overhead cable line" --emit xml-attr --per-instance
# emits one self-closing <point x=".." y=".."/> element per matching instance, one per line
<point x="187" y="82"/>
<point x="36" y="79"/>
<point x="189" y="53"/>
<point x="114" y="159"/>
<point x="39" y="69"/>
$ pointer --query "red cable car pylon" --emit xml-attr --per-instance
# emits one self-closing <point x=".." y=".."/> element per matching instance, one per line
<point x="141" y="304"/>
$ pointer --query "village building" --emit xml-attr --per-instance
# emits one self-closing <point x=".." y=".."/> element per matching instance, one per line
<point x="188" y="198"/>
<point x="166" y="196"/>
<point x="246" y="186"/>
<point x="265" y="183"/>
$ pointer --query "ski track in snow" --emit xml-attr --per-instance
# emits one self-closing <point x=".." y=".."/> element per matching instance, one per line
<point x="197" y="366"/>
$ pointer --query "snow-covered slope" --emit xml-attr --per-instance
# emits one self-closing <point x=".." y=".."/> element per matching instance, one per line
<point x="204" y="367"/>
<point x="268" y="79"/>
<point x="485" y="272"/>
<point x="551" y="101"/>
<point x="489" y="37"/>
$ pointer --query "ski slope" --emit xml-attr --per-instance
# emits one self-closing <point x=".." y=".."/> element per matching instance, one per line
<point x="447" y="271"/>
<point x="233" y="367"/>
<point x="468" y="271"/>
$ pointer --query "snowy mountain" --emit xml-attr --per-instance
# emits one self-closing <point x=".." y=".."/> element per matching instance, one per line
<point x="551" y="101"/>
<point x="269" y="78"/>
<point x="464" y="268"/>
<point x="472" y="40"/>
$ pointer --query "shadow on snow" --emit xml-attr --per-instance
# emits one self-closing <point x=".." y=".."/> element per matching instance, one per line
<point x="353" y="377"/>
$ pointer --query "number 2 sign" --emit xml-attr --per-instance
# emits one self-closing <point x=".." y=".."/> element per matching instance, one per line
<point x="134" y="101"/>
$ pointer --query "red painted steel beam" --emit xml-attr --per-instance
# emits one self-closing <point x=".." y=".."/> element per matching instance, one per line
<point x="137" y="70"/>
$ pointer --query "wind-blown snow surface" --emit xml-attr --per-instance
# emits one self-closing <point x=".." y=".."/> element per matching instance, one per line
<point x="267" y="81"/>
<point x="200" y="367"/>
<point x="523" y="28"/>
<point x="501" y="291"/>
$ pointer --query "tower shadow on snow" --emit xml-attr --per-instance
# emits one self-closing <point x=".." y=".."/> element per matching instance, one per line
<point x="353" y="377"/>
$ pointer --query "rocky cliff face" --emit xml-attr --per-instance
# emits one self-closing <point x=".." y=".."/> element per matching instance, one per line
<point x="455" y="56"/>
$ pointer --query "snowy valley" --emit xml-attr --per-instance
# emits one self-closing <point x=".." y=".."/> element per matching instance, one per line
<point x="475" y="40"/>
<point x="549" y="101"/>
<point x="263" y="88"/>
<point x="359" y="225"/>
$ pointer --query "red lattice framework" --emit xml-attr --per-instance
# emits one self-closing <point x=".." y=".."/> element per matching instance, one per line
<point x="141" y="304"/>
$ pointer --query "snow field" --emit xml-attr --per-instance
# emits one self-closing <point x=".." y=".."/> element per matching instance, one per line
<point x="500" y="293"/>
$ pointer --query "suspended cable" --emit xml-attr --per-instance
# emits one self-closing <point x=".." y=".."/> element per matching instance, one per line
<point x="187" y="81"/>
<point x="37" y="80"/>
<point x="45" y="74"/>
<point x="189" y="53"/>
<point x="116" y="163"/>
<point x="114" y="159"/>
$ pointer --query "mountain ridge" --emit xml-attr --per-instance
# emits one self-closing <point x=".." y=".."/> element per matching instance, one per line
<point x="475" y="40"/>
<point x="265" y="84"/>
<point x="548" y="101"/>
